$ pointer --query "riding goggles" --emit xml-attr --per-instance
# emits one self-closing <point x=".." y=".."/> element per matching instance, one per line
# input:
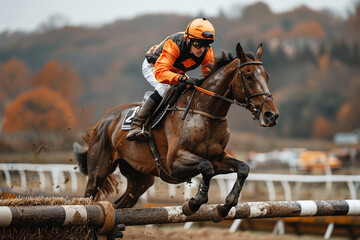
<point x="199" y="45"/>
<point x="208" y="35"/>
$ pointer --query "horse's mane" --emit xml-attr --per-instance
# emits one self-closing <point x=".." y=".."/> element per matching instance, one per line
<point x="224" y="59"/>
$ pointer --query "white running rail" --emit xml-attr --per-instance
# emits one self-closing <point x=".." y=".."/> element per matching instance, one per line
<point x="225" y="182"/>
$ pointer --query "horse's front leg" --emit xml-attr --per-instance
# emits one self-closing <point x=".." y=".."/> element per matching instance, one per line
<point x="228" y="165"/>
<point x="192" y="163"/>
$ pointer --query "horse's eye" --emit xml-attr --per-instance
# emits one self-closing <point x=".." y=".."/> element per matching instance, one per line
<point x="248" y="77"/>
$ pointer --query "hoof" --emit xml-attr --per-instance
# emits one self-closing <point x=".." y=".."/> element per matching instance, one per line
<point x="186" y="209"/>
<point x="215" y="214"/>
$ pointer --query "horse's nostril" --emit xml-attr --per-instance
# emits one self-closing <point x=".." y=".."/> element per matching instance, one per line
<point x="269" y="115"/>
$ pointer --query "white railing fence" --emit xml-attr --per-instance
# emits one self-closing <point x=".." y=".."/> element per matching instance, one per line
<point x="225" y="182"/>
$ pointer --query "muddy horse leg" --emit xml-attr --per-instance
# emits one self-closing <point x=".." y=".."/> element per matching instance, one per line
<point x="194" y="163"/>
<point x="229" y="165"/>
<point x="137" y="184"/>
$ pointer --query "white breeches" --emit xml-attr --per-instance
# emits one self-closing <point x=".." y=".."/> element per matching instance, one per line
<point x="148" y="72"/>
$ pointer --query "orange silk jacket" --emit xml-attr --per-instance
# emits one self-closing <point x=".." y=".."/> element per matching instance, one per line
<point x="172" y="57"/>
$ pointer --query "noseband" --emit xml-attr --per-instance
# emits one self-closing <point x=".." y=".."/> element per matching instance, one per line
<point x="248" y="96"/>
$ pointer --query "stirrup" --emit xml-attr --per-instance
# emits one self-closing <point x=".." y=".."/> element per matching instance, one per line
<point x="143" y="135"/>
<point x="140" y="136"/>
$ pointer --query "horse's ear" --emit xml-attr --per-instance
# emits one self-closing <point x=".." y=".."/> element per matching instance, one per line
<point x="259" y="52"/>
<point x="240" y="53"/>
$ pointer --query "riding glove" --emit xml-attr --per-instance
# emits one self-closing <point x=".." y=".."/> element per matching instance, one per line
<point x="190" y="80"/>
<point x="193" y="81"/>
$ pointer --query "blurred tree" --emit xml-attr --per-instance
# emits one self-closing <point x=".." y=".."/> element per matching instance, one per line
<point x="322" y="48"/>
<point x="309" y="29"/>
<point x="303" y="107"/>
<point x="356" y="53"/>
<point x="305" y="56"/>
<point x="346" y="53"/>
<point x="14" y="76"/>
<point x="60" y="78"/>
<point x="296" y="117"/>
<point x="340" y="51"/>
<point x="53" y="22"/>
<point x="280" y="57"/>
<point x="14" y="79"/>
<point x="323" y="62"/>
<point x="286" y="24"/>
<point x="41" y="109"/>
<point x="323" y="128"/>
<point x="348" y="117"/>
<point x="276" y="33"/>
<point x="351" y="30"/>
<point x="257" y="11"/>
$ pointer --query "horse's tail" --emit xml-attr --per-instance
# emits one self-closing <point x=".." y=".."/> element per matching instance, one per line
<point x="80" y="153"/>
<point x="109" y="187"/>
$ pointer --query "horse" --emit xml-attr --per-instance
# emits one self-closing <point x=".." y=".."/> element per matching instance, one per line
<point x="186" y="148"/>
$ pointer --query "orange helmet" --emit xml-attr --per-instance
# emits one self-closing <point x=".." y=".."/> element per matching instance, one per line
<point x="200" y="29"/>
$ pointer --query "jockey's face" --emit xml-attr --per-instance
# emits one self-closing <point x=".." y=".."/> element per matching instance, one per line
<point x="197" y="51"/>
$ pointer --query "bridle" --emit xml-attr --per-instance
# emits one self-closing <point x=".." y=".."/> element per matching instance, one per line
<point x="247" y="104"/>
<point x="248" y="96"/>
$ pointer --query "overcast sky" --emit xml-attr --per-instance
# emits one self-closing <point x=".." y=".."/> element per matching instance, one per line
<point x="27" y="15"/>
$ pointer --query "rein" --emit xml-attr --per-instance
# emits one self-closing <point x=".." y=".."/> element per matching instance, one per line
<point x="213" y="94"/>
<point x="248" y="96"/>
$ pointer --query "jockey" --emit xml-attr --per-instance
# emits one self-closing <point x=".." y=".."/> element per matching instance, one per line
<point x="165" y="64"/>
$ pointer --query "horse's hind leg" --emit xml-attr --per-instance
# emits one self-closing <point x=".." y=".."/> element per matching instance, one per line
<point x="137" y="184"/>
<point x="229" y="165"/>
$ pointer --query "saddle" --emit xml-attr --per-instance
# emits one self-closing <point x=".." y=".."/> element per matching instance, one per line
<point x="169" y="99"/>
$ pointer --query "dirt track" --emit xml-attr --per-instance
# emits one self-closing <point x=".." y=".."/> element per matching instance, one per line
<point x="178" y="233"/>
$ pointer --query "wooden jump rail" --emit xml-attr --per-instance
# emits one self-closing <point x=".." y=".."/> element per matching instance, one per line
<point x="270" y="209"/>
<point x="101" y="215"/>
<point x="104" y="216"/>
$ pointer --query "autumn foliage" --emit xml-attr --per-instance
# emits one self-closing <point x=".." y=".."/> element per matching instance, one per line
<point x="14" y="76"/>
<point x="49" y="106"/>
<point x="41" y="109"/>
<point x="58" y="77"/>
<point x="309" y="29"/>
<point x="323" y="128"/>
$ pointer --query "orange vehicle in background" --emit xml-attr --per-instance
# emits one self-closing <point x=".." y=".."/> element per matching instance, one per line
<point x="318" y="160"/>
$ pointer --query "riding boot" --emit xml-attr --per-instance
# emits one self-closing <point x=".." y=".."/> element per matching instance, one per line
<point x="136" y="131"/>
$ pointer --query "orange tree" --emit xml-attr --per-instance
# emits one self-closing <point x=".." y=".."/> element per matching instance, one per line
<point x="41" y="109"/>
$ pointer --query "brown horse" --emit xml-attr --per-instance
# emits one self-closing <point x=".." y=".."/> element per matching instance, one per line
<point x="195" y="145"/>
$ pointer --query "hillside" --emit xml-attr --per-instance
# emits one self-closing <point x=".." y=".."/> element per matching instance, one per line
<point x="313" y="63"/>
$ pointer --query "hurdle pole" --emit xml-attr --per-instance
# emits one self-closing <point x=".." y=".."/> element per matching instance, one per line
<point x="246" y="210"/>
